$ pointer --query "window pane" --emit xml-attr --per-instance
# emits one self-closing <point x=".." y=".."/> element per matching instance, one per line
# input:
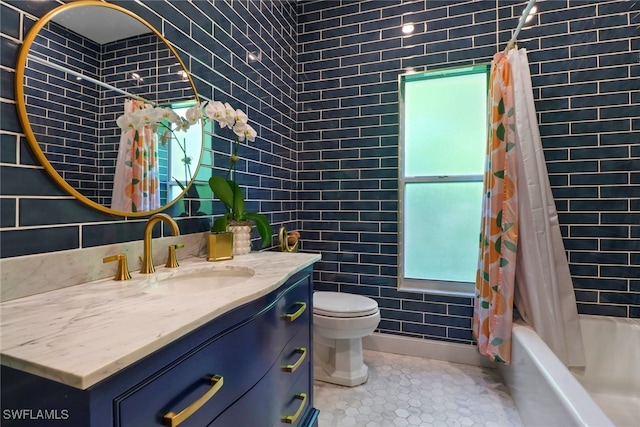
<point x="445" y="125"/>
<point x="441" y="230"/>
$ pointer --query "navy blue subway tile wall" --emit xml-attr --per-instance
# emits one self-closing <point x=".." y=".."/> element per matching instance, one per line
<point x="64" y="110"/>
<point x="214" y="40"/>
<point x="319" y="81"/>
<point x="584" y="63"/>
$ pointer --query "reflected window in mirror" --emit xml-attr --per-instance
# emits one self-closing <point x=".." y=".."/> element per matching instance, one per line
<point x="184" y="154"/>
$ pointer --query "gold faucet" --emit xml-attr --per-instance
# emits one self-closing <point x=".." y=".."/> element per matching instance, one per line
<point x="147" y="260"/>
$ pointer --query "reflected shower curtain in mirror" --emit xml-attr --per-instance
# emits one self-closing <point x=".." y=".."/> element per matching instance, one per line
<point x="522" y="256"/>
<point x="136" y="186"/>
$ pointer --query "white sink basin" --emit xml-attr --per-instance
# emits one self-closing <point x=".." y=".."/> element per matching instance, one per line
<point x="196" y="280"/>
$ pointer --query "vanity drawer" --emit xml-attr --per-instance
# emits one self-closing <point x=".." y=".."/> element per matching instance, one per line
<point x="295" y="309"/>
<point x="262" y="406"/>
<point x="294" y="359"/>
<point x="239" y="358"/>
<point x="296" y="400"/>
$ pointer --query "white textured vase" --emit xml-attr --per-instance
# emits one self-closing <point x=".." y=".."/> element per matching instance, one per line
<point x="241" y="237"/>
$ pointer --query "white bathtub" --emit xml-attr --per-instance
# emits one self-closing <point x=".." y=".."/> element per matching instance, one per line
<point x="605" y="394"/>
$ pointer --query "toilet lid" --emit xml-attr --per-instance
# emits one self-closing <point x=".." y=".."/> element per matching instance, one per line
<point x="337" y="304"/>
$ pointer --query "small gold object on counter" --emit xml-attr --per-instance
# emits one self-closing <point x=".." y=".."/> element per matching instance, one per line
<point x="219" y="246"/>
<point x="123" y="270"/>
<point x="172" y="261"/>
<point x="288" y="242"/>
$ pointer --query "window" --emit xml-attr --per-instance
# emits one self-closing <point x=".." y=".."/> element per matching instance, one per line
<point x="179" y="171"/>
<point x="443" y="122"/>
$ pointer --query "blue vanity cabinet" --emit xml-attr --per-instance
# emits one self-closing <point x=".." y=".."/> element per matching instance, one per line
<point x="249" y="367"/>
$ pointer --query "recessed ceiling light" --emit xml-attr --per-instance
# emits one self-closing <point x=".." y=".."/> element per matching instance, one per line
<point x="408" y="28"/>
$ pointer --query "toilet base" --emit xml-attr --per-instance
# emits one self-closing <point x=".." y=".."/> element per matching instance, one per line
<point x="340" y="362"/>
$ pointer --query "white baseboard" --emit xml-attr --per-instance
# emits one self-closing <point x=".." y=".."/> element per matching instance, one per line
<point x="429" y="349"/>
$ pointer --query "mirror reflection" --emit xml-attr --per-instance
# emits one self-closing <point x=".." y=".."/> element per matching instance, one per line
<point x="87" y="66"/>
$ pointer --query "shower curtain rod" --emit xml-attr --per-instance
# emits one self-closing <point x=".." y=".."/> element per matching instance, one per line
<point x="89" y="79"/>
<point x="523" y="18"/>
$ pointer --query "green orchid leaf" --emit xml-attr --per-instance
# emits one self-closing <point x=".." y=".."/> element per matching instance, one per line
<point x="220" y="224"/>
<point x="501" y="106"/>
<point x="222" y="190"/>
<point x="238" y="201"/>
<point x="484" y="304"/>
<point x="179" y="183"/>
<point x="503" y="262"/>
<point x="263" y="226"/>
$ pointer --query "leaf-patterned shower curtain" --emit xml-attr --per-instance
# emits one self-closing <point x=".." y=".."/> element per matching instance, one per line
<point x="493" y="304"/>
<point x="136" y="186"/>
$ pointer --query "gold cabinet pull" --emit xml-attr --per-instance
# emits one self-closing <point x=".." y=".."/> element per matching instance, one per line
<point x="292" y="368"/>
<point x="290" y="419"/>
<point x="171" y="419"/>
<point x="293" y="316"/>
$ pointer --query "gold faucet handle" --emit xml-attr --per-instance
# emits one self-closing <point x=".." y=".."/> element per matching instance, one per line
<point x="123" y="271"/>
<point x="172" y="261"/>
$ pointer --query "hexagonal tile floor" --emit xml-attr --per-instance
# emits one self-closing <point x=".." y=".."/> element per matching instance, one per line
<point x="412" y="391"/>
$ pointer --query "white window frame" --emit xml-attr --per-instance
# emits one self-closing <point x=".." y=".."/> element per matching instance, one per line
<point x="434" y="286"/>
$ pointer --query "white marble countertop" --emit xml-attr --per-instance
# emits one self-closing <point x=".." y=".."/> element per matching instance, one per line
<point x="82" y="334"/>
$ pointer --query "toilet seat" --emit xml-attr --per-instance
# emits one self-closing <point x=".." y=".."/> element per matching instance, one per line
<point x="343" y="305"/>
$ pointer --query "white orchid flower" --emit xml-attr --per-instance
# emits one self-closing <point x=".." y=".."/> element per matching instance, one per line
<point x="250" y="133"/>
<point x="241" y="117"/>
<point x="215" y="110"/>
<point x="157" y="114"/>
<point x="182" y="125"/>
<point x="127" y="122"/>
<point x="239" y="129"/>
<point x="146" y="116"/>
<point x="193" y="114"/>
<point x="229" y="116"/>
<point x="169" y="115"/>
<point x="244" y="130"/>
<point x="165" y="137"/>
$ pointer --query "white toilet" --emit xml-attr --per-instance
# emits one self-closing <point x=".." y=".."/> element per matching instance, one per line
<point x="340" y="320"/>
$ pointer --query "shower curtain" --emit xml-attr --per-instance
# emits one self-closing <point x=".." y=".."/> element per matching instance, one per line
<point x="541" y="287"/>
<point x="136" y="187"/>
<point x="493" y="305"/>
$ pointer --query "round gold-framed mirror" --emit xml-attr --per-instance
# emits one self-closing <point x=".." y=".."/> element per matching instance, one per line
<point x="83" y="67"/>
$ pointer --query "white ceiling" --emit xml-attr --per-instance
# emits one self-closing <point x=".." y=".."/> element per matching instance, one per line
<point x="100" y="24"/>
